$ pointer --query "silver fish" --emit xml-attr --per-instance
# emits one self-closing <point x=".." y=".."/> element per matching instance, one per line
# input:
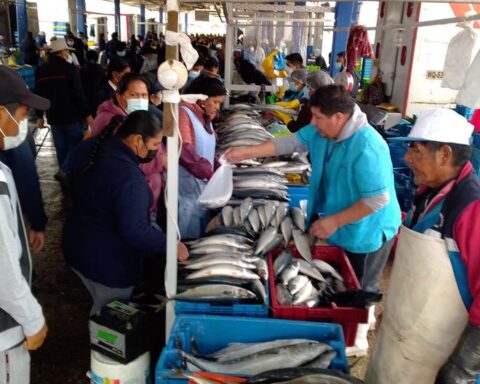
<point x="258" y="171"/>
<point x="227" y="216"/>
<point x="309" y="270"/>
<point x="289" y="272"/>
<point x="245" y="208"/>
<point x="286" y="357"/>
<point x="298" y="218"/>
<point x="259" y="289"/>
<point x="232" y="254"/>
<point x="313" y="301"/>
<point x="254" y="220"/>
<point x="302" y="243"/>
<point x="274" y="164"/>
<point x="224" y="270"/>
<point x="324" y="267"/>
<point x="223" y="239"/>
<point x="216" y="292"/>
<point x="283" y="295"/>
<point x="262" y="216"/>
<point x="226" y="243"/>
<point x="256" y="184"/>
<point x="208" y="249"/>
<point x="282" y="260"/>
<point x="200" y="264"/>
<point x="286" y="228"/>
<point x="324" y="360"/>
<point x="237" y="221"/>
<point x="274" y="243"/>
<point x="318" y="378"/>
<point x="305" y="294"/>
<point x="262" y="269"/>
<point x="270" y="209"/>
<point x="265" y="240"/>
<point x="297" y="283"/>
<point x="281" y="213"/>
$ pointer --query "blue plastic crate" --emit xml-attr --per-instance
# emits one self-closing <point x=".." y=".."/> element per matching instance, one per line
<point x="249" y="310"/>
<point x="476" y="140"/>
<point x="464" y="111"/>
<point x="476" y="159"/>
<point x="297" y="193"/>
<point x="212" y="333"/>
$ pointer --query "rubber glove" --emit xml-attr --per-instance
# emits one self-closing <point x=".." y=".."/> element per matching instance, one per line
<point x="293" y="104"/>
<point x="281" y="92"/>
<point x="463" y="366"/>
<point x="286" y="118"/>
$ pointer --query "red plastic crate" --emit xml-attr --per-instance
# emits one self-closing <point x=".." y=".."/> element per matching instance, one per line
<point x="347" y="317"/>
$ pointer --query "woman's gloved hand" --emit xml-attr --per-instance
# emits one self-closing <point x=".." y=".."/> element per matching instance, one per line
<point x="293" y="104"/>
<point x="463" y="366"/>
<point x="286" y="118"/>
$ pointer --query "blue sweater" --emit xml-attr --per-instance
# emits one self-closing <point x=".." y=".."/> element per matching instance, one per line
<point x="108" y="232"/>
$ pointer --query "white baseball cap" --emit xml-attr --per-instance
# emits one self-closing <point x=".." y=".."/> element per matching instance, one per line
<point x="58" y="45"/>
<point x="442" y="125"/>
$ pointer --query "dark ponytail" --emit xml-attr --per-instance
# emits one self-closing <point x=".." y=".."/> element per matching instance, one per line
<point x="106" y="132"/>
<point x="141" y="123"/>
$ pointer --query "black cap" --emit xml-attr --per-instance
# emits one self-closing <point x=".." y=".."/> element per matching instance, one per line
<point x="14" y="90"/>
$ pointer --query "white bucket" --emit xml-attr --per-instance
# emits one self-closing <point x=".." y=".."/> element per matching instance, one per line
<point x="104" y="370"/>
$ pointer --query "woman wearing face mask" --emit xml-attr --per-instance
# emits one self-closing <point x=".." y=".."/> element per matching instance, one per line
<point x="115" y="71"/>
<point x="297" y="89"/>
<point x="132" y="95"/>
<point x="108" y="232"/>
<point x="197" y="159"/>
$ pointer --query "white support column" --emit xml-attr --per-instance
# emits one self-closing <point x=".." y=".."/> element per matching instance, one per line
<point x="229" y="41"/>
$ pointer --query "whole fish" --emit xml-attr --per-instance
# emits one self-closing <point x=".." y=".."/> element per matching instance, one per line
<point x="254" y="220"/>
<point x="216" y="255"/>
<point x="289" y="272"/>
<point x="208" y="249"/>
<point x="259" y="289"/>
<point x="295" y="168"/>
<point x="261" y="193"/>
<point x="309" y="270"/>
<point x="290" y="356"/>
<point x="274" y="164"/>
<point x="283" y="295"/>
<point x="227" y="216"/>
<point x="270" y="209"/>
<point x="302" y="243"/>
<point x="324" y="360"/>
<point x="281" y="213"/>
<point x="298" y="218"/>
<point x="324" y="267"/>
<point x="265" y="239"/>
<point x="237" y="221"/>
<point x="262" y="269"/>
<point x="313" y="302"/>
<point x="249" y="162"/>
<point x="310" y="375"/>
<point x="277" y="240"/>
<point x="306" y="293"/>
<point x="222" y="243"/>
<point x="297" y="283"/>
<point x="183" y="285"/>
<point x="216" y="293"/>
<point x="223" y="230"/>
<point x="236" y="351"/>
<point x="245" y="208"/>
<point x="258" y="184"/>
<point x="200" y="264"/>
<point x="286" y="228"/>
<point x="231" y="240"/>
<point x="257" y="171"/>
<point x="224" y="270"/>
<point x="262" y="216"/>
<point x="282" y="260"/>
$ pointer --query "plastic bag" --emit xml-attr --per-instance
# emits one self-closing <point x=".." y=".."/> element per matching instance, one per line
<point x="468" y="94"/>
<point x="219" y="188"/>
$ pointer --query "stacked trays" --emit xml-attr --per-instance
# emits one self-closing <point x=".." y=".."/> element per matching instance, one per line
<point x="297" y="193"/>
<point x="347" y="317"/>
<point x="211" y="333"/>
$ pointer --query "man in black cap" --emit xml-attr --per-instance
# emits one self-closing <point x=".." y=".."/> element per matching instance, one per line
<point x="22" y="325"/>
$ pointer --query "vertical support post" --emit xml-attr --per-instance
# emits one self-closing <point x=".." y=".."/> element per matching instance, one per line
<point x="81" y="19"/>
<point x="22" y="22"/>
<point x="160" y="15"/>
<point x="345" y="17"/>
<point x="186" y="22"/>
<point x="142" y="18"/>
<point x="229" y="40"/>
<point x="117" y="18"/>
<point x="170" y="124"/>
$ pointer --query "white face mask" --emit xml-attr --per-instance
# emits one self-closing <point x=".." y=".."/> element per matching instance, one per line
<point x="121" y="54"/>
<point x="288" y="70"/>
<point x="10" y="142"/>
<point x="137" y="105"/>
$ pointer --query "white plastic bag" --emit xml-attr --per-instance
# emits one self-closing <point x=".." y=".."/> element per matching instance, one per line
<point x="469" y="95"/>
<point x="219" y="188"/>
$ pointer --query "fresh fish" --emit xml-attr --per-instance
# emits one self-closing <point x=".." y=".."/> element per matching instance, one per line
<point x="223" y="230"/>
<point x="231" y="240"/>
<point x="295" y="168"/>
<point x="254" y="220"/>
<point x="258" y="184"/>
<point x="208" y="249"/>
<point x="236" y="351"/>
<point x="290" y="356"/>
<point x="306" y="293"/>
<point x="304" y="375"/>
<point x="283" y="295"/>
<point x="245" y="208"/>
<point x="262" y="216"/>
<point x="289" y="272"/>
<point x="297" y="283"/>
<point x="227" y="216"/>
<point x="274" y="164"/>
<point x="324" y="360"/>
<point x="286" y="228"/>
<point x="278" y="239"/>
<point x="225" y="243"/>
<point x="249" y="162"/>
<point x="237" y="221"/>
<point x="259" y="193"/>
<point x="183" y="285"/>
<point x="281" y="213"/>
<point x="309" y="270"/>
<point x="216" y="255"/>
<point x="298" y="218"/>
<point x="265" y="240"/>
<point x="216" y="293"/>
<point x="313" y="302"/>
<point x="270" y="209"/>
<point x="224" y="270"/>
<point x="259" y="289"/>
<point x="282" y="260"/>
<point x="204" y="263"/>
<point x="262" y="269"/>
<point x="324" y="267"/>
<point x="302" y="243"/>
<point x="257" y="171"/>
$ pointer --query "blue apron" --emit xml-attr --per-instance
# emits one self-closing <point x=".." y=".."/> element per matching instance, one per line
<point x="192" y="218"/>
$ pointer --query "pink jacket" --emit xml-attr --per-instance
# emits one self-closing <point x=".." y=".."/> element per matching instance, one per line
<point x="153" y="170"/>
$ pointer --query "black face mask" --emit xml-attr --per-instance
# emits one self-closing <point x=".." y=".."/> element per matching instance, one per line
<point x="151" y="154"/>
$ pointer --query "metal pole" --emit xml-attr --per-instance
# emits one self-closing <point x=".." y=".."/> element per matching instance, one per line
<point x="22" y="21"/>
<point x="117" y="18"/>
<point x="142" y="19"/>
<point x="186" y="22"/>
<point x="81" y="17"/>
<point x="231" y="29"/>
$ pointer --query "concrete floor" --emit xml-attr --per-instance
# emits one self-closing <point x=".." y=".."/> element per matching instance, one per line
<point x="64" y="358"/>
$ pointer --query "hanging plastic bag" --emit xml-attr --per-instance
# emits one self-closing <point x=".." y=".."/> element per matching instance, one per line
<point x="219" y="188"/>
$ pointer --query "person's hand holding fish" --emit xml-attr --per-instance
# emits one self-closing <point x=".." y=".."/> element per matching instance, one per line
<point x="324" y="227"/>
<point x="182" y="252"/>
<point x="235" y="154"/>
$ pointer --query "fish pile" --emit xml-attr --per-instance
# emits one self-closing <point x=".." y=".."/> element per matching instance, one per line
<point x="302" y="376"/>
<point x="301" y="281"/>
<point x="256" y="358"/>
<point x="224" y="268"/>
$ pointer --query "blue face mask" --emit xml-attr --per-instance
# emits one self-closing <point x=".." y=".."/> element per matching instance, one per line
<point x="193" y="74"/>
<point x="137" y="105"/>
<point x="292" y="87"/>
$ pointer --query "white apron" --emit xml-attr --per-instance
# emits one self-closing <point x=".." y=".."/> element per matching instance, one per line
<point x="424" y="314"/>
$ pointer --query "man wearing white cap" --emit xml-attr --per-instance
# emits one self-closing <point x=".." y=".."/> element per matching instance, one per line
<point x="430" y="331"/>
